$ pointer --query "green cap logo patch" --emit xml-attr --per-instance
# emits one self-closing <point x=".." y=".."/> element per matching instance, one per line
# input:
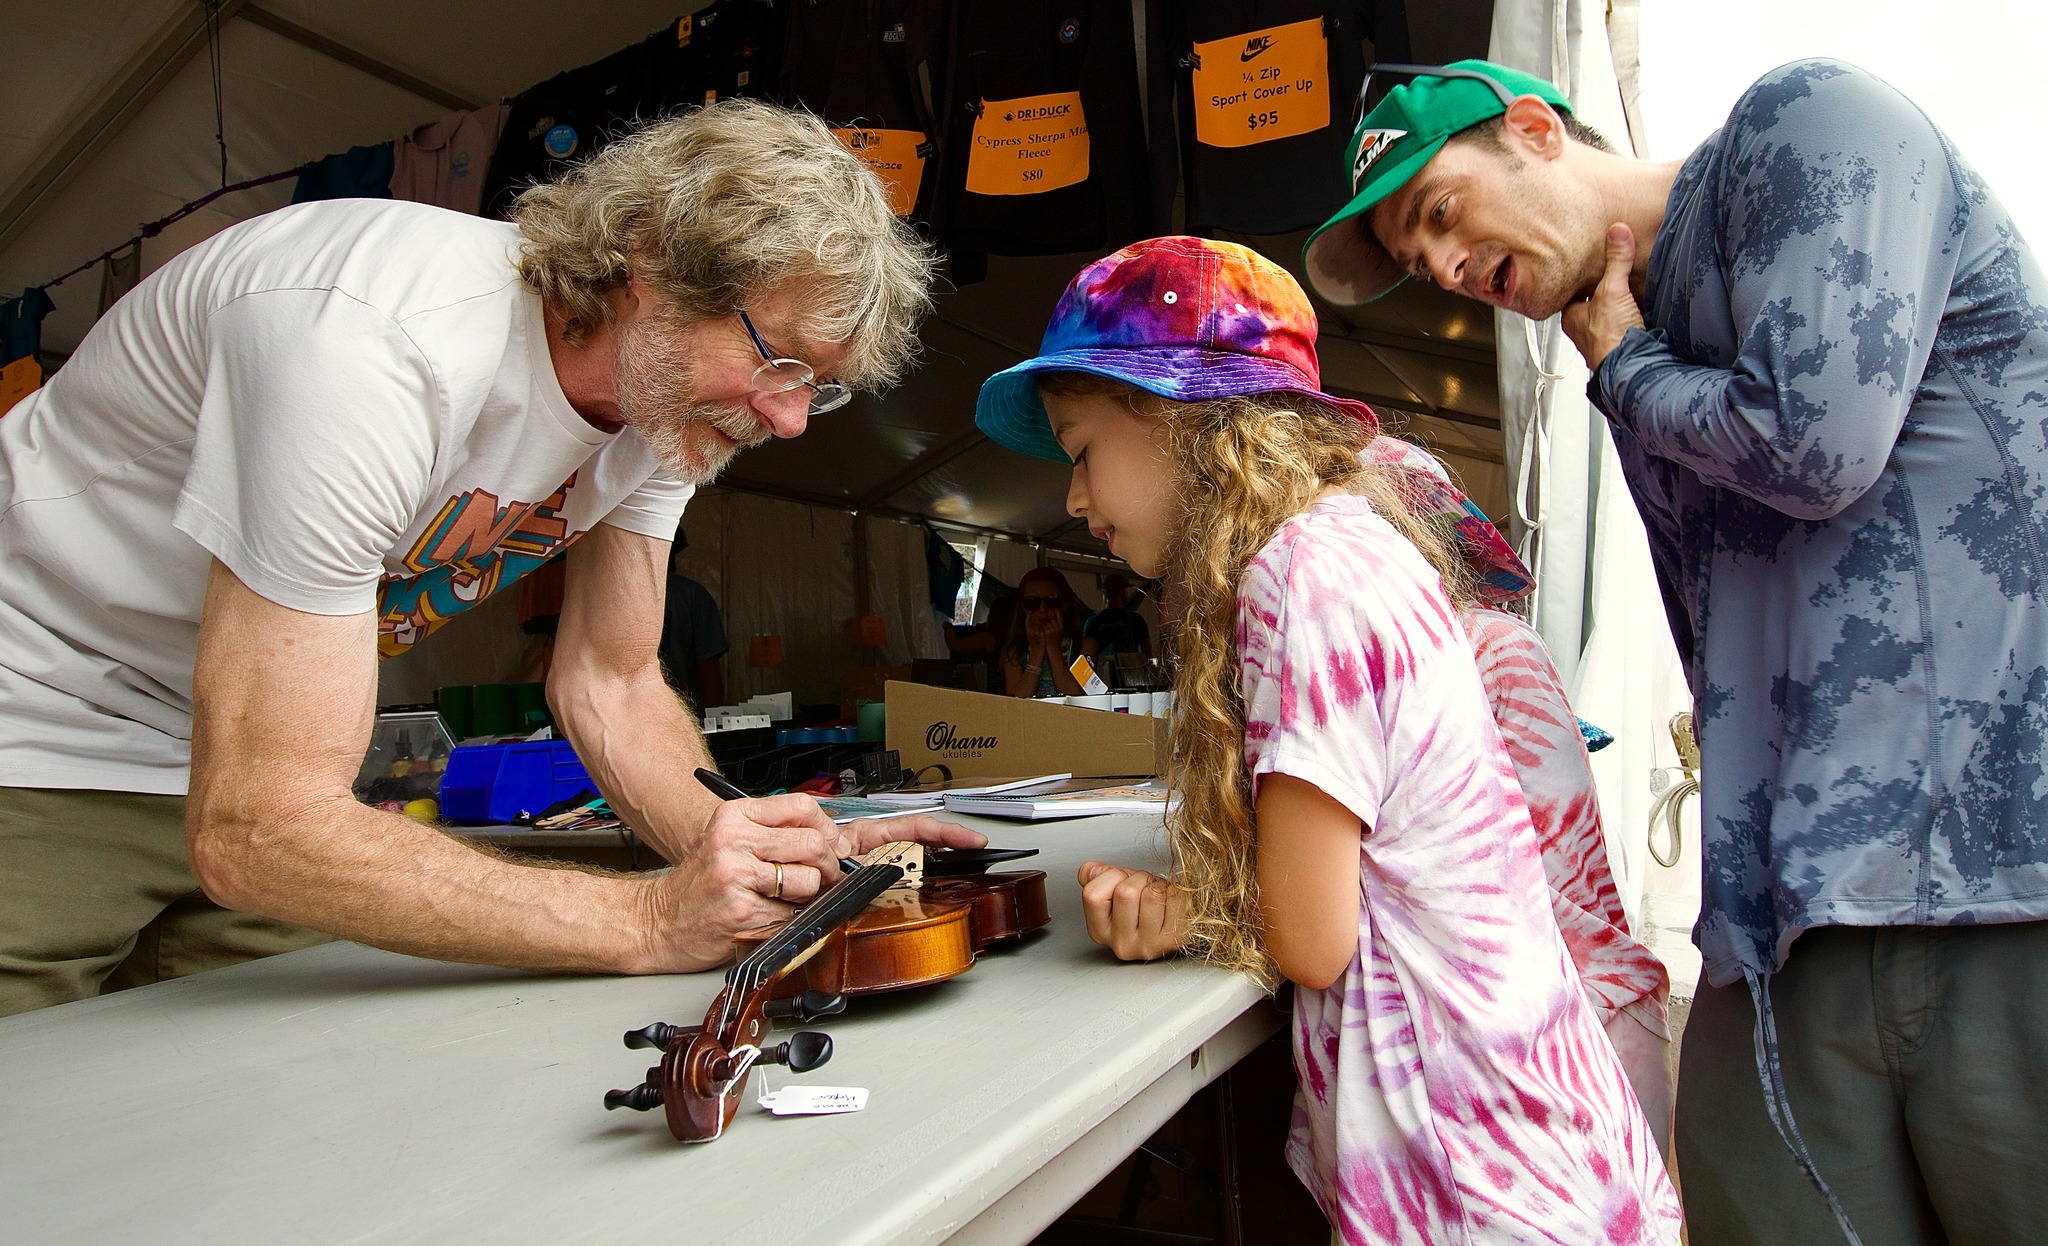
<point x="1372" y="144"/>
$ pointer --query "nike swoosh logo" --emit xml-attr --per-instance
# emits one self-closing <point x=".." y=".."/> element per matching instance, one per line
<point x="1255" y="48"/>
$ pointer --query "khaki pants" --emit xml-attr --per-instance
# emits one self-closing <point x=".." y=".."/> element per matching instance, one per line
<point x="1916" y="1063"/>
<point x="95" y="895"/>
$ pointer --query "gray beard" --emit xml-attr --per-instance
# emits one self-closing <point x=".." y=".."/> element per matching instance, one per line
<point x="656" y="383"/>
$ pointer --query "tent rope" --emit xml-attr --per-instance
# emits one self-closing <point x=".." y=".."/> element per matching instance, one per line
<point x="158" y="226"/>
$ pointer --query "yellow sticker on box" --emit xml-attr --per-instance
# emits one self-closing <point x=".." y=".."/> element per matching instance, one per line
<point x="1028" y="146"/>
<point x="894" y="156"/>
<point x="1268" y="84"/>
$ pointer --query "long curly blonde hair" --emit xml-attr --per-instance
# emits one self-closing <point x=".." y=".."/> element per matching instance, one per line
<point x="1243" y="466"/>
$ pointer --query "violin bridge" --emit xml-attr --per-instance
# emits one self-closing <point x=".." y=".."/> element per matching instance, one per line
<point x="906" y="856"/>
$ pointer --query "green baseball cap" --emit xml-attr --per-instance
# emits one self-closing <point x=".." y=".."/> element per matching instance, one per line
<point x="1345" y="263"/>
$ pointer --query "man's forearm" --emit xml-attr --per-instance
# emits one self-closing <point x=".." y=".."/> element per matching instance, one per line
<point x="640" y="743"/>
<point x="1808" y="454"/>
<point x="385" y="880"/>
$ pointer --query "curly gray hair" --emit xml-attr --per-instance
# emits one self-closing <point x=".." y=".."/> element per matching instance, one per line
<point x="721" y="205"/>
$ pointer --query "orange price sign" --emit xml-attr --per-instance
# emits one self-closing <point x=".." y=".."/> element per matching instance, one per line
<point x="1268" y="84"/>
<point x="18" y="380"/>
<point x="894" y="157"/>
<point x="1028" y="146"/>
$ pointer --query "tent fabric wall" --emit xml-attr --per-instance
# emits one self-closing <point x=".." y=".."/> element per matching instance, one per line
<point x="897" y="593"/>
<point x="480" y="646"/>
<point x="785" y="569"/>
<point x="1597" y="603"/>
<point x="1007" y="561"/>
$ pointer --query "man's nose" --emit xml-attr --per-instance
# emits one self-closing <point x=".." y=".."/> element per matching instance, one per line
<point x="1446" y="264"/>
<point x="786" y="414"/>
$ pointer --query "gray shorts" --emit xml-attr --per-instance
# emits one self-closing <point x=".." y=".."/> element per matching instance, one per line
<point x="95" y="895"/>
<point x="1916" y="1064"/>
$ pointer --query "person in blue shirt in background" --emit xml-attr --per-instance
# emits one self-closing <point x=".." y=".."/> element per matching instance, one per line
<point x="1822" y="348"/>
<point x="1117" y="627"/>
<point x="692" y="634"/>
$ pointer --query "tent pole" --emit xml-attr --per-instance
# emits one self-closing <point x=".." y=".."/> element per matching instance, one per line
<point x="341" y="53"/>
<point x="862" y="591"/>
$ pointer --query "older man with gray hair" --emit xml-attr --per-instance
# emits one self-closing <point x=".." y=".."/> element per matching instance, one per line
<point x="325" y="432"/>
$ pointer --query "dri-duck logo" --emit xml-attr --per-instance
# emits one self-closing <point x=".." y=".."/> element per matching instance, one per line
<point x="939" y="738"/>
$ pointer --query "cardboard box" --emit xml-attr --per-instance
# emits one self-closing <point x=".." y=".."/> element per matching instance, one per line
<point x="979" y="736"/>
<point x="865" y="683"/>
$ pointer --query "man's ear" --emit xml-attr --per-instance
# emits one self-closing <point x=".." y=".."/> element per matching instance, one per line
<point x="1533" y="128"/>
<point x="632" y="294"/>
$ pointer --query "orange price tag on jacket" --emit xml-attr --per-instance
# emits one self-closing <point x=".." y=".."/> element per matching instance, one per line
<point x="1268" y="84"/>
<point x="18" y="380"/>
<point x="894" y="157"/>
<point x="1028" y="146"/>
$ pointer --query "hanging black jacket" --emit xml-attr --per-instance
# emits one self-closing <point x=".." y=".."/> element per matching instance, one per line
<point x="862" y="65"/>
<point x="1266" y="96"/>
<point x="730" y="48"/>
<point x="1047" y="150"/>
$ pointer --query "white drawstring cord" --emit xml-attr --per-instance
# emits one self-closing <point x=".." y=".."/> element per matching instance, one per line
<point x="1534" y="465"/>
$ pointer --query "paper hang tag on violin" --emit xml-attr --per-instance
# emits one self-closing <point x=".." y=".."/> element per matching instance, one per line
<point x="813" y="1100"/>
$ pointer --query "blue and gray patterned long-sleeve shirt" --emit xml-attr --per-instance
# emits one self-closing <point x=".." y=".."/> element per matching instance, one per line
<point x="1836" y="429"/>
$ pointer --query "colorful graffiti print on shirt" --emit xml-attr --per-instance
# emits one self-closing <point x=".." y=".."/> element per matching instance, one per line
<point x="473" y="548"/>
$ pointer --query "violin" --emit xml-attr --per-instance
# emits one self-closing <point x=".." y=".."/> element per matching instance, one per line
<point x="926" y="929"/>
<point x="704" y="1068"/>
<point x="885" y="926"/>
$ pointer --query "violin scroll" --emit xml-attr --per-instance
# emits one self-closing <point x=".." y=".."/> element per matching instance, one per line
<point x="703" y="1069"/>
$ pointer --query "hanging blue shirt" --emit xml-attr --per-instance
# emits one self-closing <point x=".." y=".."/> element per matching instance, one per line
<point x="21" y="324"/>
<point x="358" y="173"/>
<point x="1836" y="429"/>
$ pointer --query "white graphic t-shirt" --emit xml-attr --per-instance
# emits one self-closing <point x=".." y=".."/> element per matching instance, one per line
<point x="350" y="404"/>
<point x="1455" y="1083"/>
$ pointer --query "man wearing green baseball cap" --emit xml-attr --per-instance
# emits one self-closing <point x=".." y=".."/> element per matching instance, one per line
<point x="1822" y="349"/>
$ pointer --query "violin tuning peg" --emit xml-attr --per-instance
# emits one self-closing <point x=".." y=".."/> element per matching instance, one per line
<point x="805" y="1050"/>
<point x="658" y="1035"/>
<point x="806" y="1007"/>
<point x="642" y="1098"/>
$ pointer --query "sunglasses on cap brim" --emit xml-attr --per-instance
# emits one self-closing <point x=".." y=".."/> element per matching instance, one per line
<point x="1390" y="76"/>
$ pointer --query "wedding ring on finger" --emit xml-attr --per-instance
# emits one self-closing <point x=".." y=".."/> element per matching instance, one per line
<point x="778" y="880"/>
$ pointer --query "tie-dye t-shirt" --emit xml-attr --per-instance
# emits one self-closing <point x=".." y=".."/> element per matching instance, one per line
<point x="1541" y="734"/>
<point x="1836" y="430"/>
<point x="1455" y="1085"/>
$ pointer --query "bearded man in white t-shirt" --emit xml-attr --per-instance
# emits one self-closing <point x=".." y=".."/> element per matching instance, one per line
<point x="325" y="432"/>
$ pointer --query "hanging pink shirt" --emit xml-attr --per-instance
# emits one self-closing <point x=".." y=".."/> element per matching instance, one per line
<point x="444" y="162"/>
<point x="1541" y="733"/>
<point x="1455" y="1085"/>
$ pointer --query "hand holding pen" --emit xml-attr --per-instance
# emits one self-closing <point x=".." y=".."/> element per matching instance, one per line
<point x="718" y="786"/>
<point x="870" y="833"/>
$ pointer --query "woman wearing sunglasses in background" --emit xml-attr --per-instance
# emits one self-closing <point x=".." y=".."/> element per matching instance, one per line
<point x="1040" y="646"/>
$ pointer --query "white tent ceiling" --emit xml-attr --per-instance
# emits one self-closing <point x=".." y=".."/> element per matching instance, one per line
<point x="107" y="120"/>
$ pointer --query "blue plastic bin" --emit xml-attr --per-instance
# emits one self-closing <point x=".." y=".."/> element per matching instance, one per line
<point x="817" y="735"/>
<point x="510" y="782"/>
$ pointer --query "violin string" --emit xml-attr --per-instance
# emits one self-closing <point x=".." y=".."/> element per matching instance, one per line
<point x="822" y="913"/>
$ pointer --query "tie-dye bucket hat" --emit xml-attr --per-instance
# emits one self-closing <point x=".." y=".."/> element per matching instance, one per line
<point x="1190" y="319"/>
<point x="1499" y="574"/>
<point x="1187" y="319"/>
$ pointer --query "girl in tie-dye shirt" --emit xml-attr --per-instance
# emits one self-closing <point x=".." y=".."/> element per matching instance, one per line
<point x="1350" y="816"/>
